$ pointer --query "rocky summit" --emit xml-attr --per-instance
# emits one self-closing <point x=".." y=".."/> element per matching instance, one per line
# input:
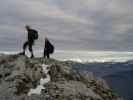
<point x="22" y="78"/>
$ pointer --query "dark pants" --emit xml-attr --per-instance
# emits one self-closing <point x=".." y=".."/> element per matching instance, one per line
<point x="28" y="44"/>
<point x="46" y="54"/>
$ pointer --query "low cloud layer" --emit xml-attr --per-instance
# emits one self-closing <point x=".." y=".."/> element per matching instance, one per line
<point x="70" y="24"/>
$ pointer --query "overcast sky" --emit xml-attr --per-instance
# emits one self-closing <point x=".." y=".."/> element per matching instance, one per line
<point x="70" y="24"/>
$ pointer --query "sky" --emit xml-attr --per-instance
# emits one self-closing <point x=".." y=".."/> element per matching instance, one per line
<point x="69" y="24"/>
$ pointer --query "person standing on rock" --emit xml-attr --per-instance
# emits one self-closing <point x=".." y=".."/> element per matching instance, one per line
<point x="48" y="49"/>
<point x="32" y="36"/>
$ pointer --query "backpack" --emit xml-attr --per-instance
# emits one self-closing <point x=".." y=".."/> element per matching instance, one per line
<point x="51" y="48"/>
<point x="35" y="34"/>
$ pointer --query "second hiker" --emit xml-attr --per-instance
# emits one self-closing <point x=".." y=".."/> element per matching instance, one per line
<point x="48" y="49"/>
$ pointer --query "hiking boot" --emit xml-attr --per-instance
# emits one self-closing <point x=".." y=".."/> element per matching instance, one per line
<point x="32" y="56"/>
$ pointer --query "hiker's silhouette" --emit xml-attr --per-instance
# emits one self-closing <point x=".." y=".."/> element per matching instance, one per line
<point x="48" y="49"/>
<point x="32" y="36"/>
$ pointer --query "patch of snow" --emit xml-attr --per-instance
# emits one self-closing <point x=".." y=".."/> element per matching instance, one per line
<point x="43" y="81"/>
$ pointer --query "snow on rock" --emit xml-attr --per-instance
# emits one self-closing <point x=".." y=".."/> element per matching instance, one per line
<point x="43" y="81"/>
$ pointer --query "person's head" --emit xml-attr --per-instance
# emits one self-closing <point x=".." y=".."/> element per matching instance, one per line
<point x="27" y="27"/>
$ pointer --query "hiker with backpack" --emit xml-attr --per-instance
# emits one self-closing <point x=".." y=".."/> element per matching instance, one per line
<point x="48" y="49"/>
<point x="32" y="36"/>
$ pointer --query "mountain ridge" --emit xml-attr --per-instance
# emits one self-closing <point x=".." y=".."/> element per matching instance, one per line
<point x="20" y="74"/>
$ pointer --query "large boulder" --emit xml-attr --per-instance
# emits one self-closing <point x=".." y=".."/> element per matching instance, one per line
<point x="71" y="90"/>
<point x="18" y="75"/>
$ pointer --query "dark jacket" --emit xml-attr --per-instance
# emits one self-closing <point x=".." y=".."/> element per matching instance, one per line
<point x="48" y="46"/>
<point x="31" y="33"/>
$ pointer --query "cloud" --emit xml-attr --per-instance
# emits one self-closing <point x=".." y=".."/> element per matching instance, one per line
<point x="72" y="24"/>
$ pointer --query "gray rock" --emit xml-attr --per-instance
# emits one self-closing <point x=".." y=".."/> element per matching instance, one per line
<point x="87" y="75"/>
<point x="18" y="74"/>
<point x="73" y="89"/>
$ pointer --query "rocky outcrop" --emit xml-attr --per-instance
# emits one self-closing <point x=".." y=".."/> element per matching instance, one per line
<point x="19" y="74"/>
